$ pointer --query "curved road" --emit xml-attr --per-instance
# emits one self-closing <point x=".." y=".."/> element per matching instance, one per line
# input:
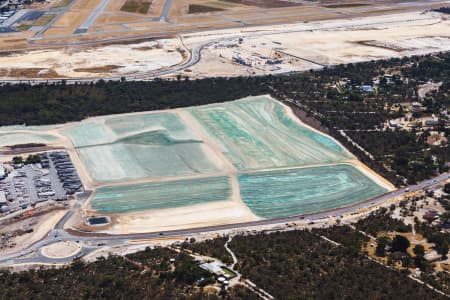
<point x="91" y="241"/>
<point x="194" y="57"/>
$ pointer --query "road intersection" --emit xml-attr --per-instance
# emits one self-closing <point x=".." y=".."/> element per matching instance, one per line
<point x="90" y="242"/>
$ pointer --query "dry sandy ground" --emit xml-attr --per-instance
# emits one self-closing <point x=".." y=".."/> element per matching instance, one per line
<point x="202" y="215"/>
<point x="41" y="225"/>
<point x="326" y="43"/>
<point x="61" y="249"/>
<point x="300" y="46"/>
<point x="92" y="62"/>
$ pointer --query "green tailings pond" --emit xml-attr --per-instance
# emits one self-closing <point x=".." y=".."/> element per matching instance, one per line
<point x="284" y="193"/>
<point x="256" y="134"/>
<point x="157" y="195"/>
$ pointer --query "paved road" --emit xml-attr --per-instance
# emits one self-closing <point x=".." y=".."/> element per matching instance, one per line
<point x="91" y="241"/>
<point x="195" y="54"/>
<point x="60" y="11"/>
<point x="165" y="11"/>
<point x="92" y="17"/>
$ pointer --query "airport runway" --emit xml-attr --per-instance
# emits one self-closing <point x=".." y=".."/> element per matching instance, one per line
<point x="92" y="17"/>
<point x="194" y="57"/>
<point x="165" y="11"/>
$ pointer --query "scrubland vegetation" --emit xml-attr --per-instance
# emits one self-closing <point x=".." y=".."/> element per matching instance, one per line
<point x="288" y="265"/>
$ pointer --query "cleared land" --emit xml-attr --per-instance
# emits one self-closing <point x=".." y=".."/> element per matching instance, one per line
<point x="61" y="249"/>
<point x="93" y="62"/>
<point x="312" y="45"/>
<point x="16" y="137"/>
<point x="295" y="47"/>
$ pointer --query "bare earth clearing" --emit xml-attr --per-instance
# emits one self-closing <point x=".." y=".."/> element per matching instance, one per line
<point x="296" y="47"/>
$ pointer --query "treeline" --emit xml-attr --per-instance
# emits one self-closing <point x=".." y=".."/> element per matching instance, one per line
<point x="445" y="10"/>
<point x="56" y="103"/>
<point x="331" y="96"/>
<point x="144" y="275"/>
<point x="59" y="103"/>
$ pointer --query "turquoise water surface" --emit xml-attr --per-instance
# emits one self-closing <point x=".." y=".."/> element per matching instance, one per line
<point x="284" y="193"/>
<point x="156" y="195"/>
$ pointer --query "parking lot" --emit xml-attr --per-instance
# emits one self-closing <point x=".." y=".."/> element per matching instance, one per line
<point x="53" y="179"/>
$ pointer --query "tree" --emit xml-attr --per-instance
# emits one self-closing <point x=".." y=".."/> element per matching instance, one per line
<point x="382" y="243"/>
<point x="419" y="250"/>
<point x="445" y="217"/>
<point x="77" y="264"/>
<point x="33" y="159"/>
<point x="17" y="160"/>
<point x="400" y="243"/>
<point x="447" y="188"/>
<point x="443" y="249"/>
<point x="419" y="259"/>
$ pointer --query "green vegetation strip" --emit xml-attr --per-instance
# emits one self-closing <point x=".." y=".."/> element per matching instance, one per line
<point x="62" y="3"/>
<point x="136" y="6"/>
<point x="198" y="9"/>
<point x="44" y="20"/>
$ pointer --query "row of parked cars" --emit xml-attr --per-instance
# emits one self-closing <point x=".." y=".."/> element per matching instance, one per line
<point x="65" y="169"/>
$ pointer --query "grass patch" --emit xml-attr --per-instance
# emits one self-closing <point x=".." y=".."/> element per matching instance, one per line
<point x="29" y="73"/>
<point x="62" y="3"/>
<point x="199" y="9"/>
<point x="23" y="27"/>
<point x="44" y="20"/>
<point x="228" y="272"/>
<point x="222" y="4"/>
<point x="136" y="6"/>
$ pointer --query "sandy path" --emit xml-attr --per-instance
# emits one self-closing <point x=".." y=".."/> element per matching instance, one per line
<point x="229" y="168"/>
<point x="380" y="180"/>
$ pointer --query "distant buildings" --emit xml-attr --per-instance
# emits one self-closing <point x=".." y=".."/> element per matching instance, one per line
<point x="3" y="200"/>
<point x="416" y="107"/>
<point x="222" y="273"/>
<point x="433" y="121"/>
<point x="367" y="88"/>
<point x="393" y="124"/>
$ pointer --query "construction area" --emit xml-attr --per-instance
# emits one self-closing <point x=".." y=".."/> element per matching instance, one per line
<point x="143" y="39"/>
